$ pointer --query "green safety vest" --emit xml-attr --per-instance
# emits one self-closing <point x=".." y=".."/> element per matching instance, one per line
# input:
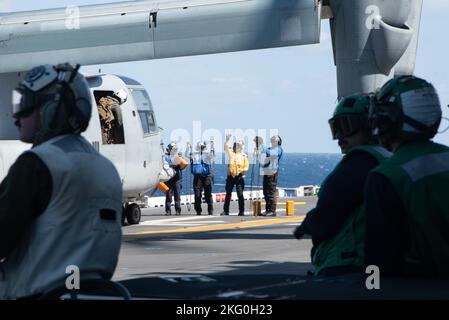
<point x="419" y="173"/>
<point x="347" y="247"/>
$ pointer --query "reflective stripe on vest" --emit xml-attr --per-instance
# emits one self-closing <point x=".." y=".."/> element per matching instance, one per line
<point x="384" y="152"/>
<point x="419" y="172"/>
<point x="427" y="165"/>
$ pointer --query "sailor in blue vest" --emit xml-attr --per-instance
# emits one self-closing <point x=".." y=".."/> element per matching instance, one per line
<point x="269" y="169"/>
<point x="61" y="202"/>
<point x="407" y="206"/>
<point x="200" y="166"/>
<point x="175" y="183"/>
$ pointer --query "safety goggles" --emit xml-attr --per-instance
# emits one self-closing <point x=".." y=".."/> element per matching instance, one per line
<point x="24" y="102"/>
<point x="344" y="126"/>
<point x="25" y="98"/>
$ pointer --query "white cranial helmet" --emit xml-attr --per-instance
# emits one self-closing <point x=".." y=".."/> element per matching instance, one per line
<point x="122" y="95"/>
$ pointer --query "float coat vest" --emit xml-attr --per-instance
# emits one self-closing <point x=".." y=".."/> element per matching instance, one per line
<point x="81" y="225"/>
<point x="346" y="248"/>
<point x="419" y="173"/>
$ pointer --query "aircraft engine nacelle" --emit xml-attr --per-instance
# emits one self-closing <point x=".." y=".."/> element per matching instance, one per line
<point x="373" y="40"/>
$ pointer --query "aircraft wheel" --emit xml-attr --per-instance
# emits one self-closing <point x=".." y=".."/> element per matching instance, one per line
<point x="133" y="213"/>
<point x="123" y="216"/>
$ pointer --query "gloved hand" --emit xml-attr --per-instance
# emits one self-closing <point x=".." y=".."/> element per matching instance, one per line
<point x="228" y="137"/>
<point x="299" y="232"/>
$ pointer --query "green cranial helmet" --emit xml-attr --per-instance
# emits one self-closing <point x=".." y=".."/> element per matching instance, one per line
<point x="350" y="116"/>
<point x="407" y="108"/>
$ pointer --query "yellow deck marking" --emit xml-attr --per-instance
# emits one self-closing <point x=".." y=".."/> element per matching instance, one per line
<point x="227" y="226"/>
<point x="284" y="203"/>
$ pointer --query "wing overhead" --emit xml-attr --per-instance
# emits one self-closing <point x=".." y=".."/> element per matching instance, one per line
<point x="140" y="30"/>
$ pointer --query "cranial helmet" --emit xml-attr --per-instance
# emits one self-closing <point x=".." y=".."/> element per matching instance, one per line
<point x="172" y="147"/>
<point x="350" y="116"/>
<point x="406" y="107"/>
<point x="61" y="94"/>
<point x="121" y="95"/>
<point x="201" y="145"/>
<point x="238" y="145"/>
<point x="276" y="140"/>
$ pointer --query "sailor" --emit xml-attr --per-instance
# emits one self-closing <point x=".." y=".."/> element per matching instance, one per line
<point x="61" y="202"/>
<point x="336" y="224"/>
<point x="107" y="118"/>
<point x="117" y="125"/>
<point x="111" y="117"/>
<point x="407" y="210"/>
<point x="200" y="167"/>
<point x="176" y="162"/>
<point x="237" y="167"/>
<point x="269" y="159"/>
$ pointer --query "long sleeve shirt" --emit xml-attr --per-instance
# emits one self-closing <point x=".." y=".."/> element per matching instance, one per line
<point x="343" y="194"/>
<point x="24" y="196"/>
<point x="174" y="161"/>
<point x="200" y="162"/>
<point x="238" y="162"/>
<point x="269" y="159"/>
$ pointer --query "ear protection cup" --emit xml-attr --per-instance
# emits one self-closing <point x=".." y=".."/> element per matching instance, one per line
<point x="279" y="140"/>
<point x="48" y="115"/>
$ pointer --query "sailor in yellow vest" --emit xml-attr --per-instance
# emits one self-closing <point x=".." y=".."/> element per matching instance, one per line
<point x="336" y="224"/>
<point x="237" y="167"/>
<point x="407" y="212"/>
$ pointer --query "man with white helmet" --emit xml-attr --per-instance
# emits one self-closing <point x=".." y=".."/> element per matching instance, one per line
<point x="61" y="202"/>
<point x="176" y="162"/>
<point x="200" y="167"/>
<point x="237" y="167"/>
<point x="407" y="211"/>
<point x="111" y="117"/>
<point x="269" y="159"/>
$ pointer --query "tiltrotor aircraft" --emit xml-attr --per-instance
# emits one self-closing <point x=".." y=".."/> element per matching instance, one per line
<point x="373" y="40"/>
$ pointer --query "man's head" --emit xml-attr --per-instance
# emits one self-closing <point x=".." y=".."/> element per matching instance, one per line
<point x="238" y="146"/>
<point x="201" y="146"/>
<point x="275" y="141"/>
<point x="172" y="148"/>
<point x="406" y="108"/>
<point x="349" y="124"/>
<point x="121" y="95"/>
<point x="50" y="101"/>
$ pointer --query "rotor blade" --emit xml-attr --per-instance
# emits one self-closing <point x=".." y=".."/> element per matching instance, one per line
<point x="140" y="30"/>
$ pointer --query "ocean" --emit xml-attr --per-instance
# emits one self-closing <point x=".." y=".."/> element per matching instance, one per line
<point x="296" y="169"/>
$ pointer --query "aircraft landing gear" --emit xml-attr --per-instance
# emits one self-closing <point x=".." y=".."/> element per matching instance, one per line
<point x="132" y="214"/>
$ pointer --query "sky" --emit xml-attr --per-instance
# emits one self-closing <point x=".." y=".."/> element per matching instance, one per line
<point x="292" y="89"/>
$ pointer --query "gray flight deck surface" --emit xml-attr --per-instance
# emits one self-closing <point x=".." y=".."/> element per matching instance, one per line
<point x="232" y="257"/>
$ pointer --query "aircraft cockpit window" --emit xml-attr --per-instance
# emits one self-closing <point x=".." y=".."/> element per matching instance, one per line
<point x="145" y="109"/>
<point x="110" y="113"/>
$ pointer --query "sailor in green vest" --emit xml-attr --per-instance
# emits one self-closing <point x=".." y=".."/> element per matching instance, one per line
<point x="407" y="197"/>
<point x="336" y="224"/>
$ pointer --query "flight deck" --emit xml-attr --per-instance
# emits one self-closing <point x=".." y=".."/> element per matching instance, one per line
<point x="192" y="257"/>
